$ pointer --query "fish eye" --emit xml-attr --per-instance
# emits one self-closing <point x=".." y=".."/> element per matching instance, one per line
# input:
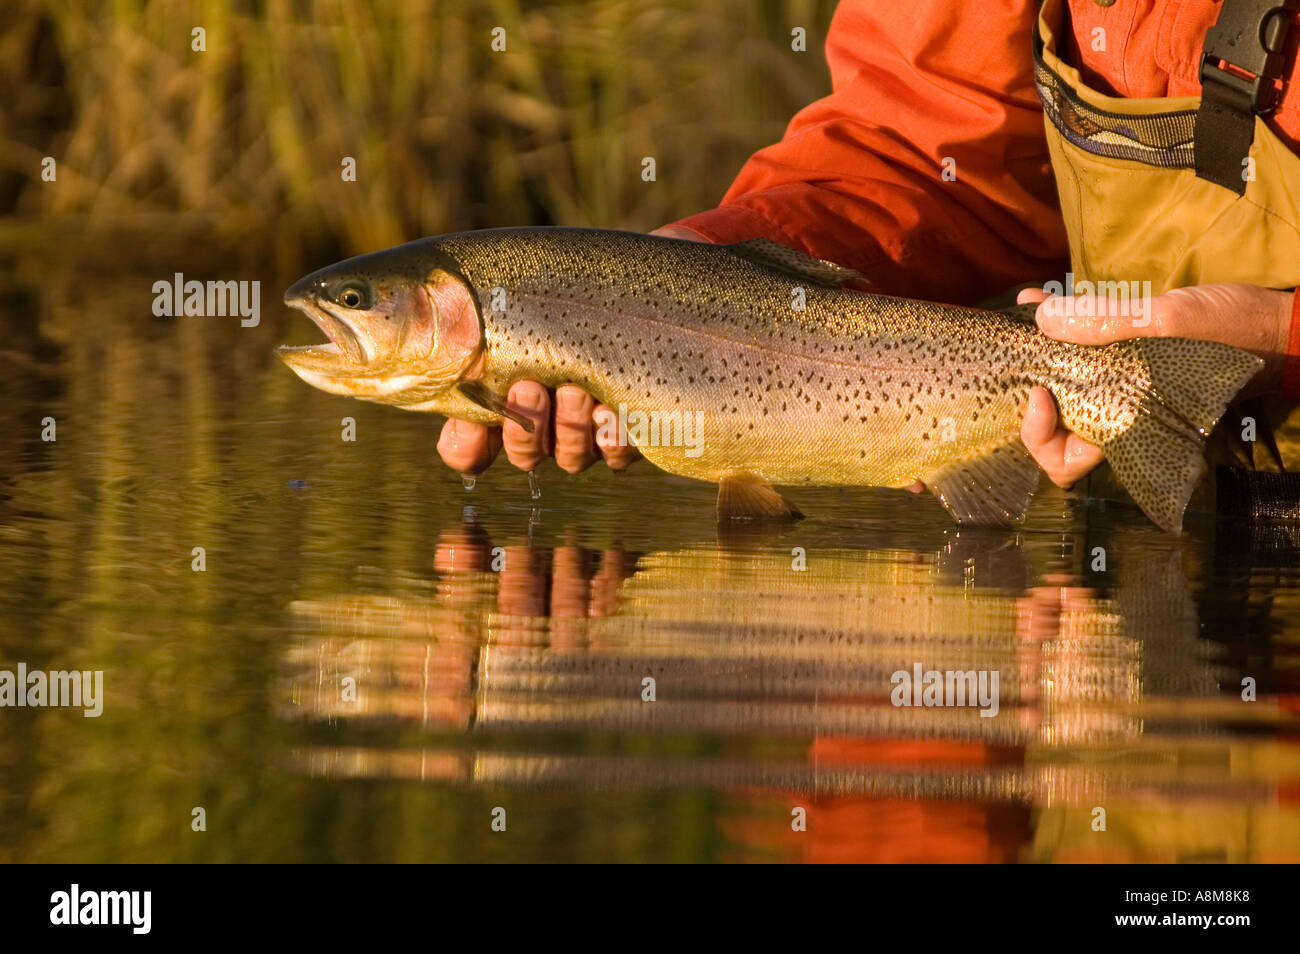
<point x="354" y="295"/>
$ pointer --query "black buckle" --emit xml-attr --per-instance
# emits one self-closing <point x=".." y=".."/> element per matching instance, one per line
<point x="1249" y="36"/>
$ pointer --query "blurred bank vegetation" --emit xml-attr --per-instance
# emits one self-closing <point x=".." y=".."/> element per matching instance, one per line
<point x="241" y="145"/>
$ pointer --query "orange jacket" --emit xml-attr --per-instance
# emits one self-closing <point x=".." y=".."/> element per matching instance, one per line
<point x="917" y="85"/>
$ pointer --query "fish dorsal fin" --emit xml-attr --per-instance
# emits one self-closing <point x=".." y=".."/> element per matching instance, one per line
<point x="745" y="497"/>
<point x="480" y="394"/>
<point x="765" y="252"/>
<point x="992" y="488"/>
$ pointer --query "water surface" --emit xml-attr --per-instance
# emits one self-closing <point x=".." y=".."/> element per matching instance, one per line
<point x="375" y="661"/>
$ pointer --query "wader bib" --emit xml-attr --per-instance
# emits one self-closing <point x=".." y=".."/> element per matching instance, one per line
<point x="1165" y="191"/>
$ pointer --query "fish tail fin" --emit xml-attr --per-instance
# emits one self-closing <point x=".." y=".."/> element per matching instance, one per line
<point x="1188" y="384"/>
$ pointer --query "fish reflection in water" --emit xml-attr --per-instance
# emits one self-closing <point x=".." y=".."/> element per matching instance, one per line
<point x="527" y="667"/>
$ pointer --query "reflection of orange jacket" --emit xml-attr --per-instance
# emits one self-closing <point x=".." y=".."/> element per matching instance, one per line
<point x="932" y="84"/>
<point x="860" y="829"/>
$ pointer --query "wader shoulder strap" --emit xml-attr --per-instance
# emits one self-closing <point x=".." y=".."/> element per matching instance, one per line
<point x="1241" y="58"/>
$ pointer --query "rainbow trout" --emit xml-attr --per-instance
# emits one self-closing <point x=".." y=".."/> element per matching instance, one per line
<point x="748" y="365"/>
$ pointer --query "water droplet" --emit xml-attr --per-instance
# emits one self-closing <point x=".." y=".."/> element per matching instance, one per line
<point x="534" y="489"/>
<point x="467" y="482"/>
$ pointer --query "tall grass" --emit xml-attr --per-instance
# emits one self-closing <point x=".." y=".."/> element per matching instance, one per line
<point x="243" y="144"/>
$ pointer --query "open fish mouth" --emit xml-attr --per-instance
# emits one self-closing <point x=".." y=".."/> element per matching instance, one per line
<point x="343" y="365"/>
<point x="344" y="348"/>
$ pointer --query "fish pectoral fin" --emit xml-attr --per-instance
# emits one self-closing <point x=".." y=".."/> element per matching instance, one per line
<point x="771" y="254"/>
<point x="990" y="489"/>
<point x="484" y="397"/>
<point x="745" y="497"/>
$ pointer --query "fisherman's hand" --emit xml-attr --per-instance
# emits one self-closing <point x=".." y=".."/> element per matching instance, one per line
<point x="566" y="425"/>
<point x="1245" y="316"/>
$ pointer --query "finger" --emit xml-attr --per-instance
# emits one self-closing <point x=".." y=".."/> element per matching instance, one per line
<point x="1065" y="457"/>
<point x="468" y="448"/>
<point x="605" y="585"/>
<point x="618" y="452"/>
<point x="575" y="439"/>
<point x="916" y="487"/>
<point x="1093" y="320"/>
<point x="524" y="449"/>
<point x="1079" y="459"/>
<point x="1038" y="613"/>
<point x="459" y="550"/>
<point x="523" y="579"/>
<point x="1039" y="425"/>
<point x="1027" y="295"/>
<point x="570" y="584"/>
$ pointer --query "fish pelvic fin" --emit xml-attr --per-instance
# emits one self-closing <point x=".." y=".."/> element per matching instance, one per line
<point x="1160" y="456"/>
<point x="796" y="264"/>
<point x="745" y="497"/>
<point x="991" y="489"/>
<point x="479" y="393"/>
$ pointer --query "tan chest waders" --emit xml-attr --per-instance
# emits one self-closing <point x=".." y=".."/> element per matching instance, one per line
<point x="1182" y="191"/>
